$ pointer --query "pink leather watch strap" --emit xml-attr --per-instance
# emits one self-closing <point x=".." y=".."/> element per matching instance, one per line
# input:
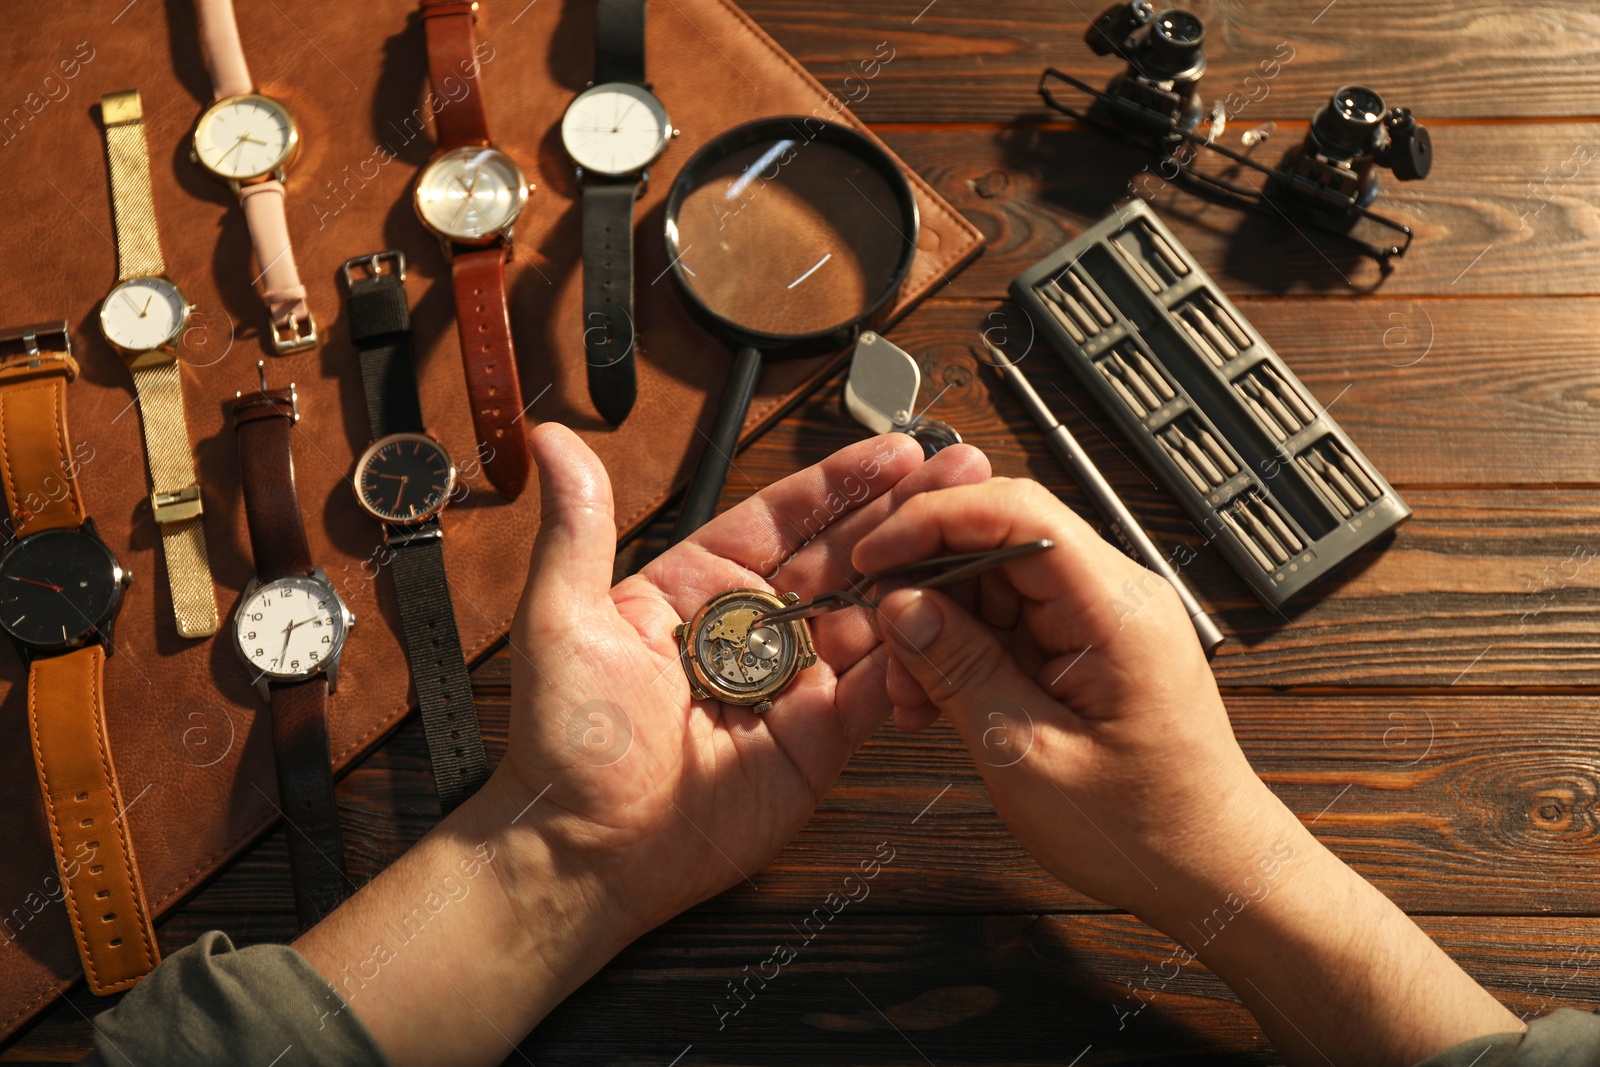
<point x="269" y="234"/>
<point x="219" y="37"/>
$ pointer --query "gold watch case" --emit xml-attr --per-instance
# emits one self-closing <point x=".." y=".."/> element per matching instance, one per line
<point x="725" y="658"/>
<point x="279" y="164"/>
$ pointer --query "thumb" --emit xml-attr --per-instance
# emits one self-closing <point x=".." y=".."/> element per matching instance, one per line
<point x="966" y="672"/>
<point x="575" y="549"/>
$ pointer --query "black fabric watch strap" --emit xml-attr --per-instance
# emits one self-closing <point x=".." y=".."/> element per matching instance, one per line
<point x="380" y="325"/>
<point x="608" y="326"/>
<point x="619" y="42"/>
<point x="438" y="670"/>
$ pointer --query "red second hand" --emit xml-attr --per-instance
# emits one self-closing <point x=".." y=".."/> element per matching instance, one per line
<point x="31" y="581"/>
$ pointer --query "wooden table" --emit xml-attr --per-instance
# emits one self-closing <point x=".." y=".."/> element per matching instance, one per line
<point x="1430" y="711"/>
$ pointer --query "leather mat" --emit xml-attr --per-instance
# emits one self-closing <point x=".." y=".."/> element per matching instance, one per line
<point x="189" y="735"/>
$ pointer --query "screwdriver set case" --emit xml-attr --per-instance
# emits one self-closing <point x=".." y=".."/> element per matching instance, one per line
<point x="1277" y="486"/>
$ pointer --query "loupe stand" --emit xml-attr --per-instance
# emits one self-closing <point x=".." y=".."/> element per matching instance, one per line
<point x="1298" y="196"/>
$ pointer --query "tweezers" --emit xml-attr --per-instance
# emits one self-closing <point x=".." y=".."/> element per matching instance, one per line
<point x="951" y="569"/>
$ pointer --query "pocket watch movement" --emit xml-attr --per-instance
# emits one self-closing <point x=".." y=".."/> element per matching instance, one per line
<point x="727" y="656"/>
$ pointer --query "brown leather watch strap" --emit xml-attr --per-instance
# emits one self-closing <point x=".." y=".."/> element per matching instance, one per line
<point x="94" y="853"/>
<point x="37" y="465"/>
<point x="305" y="789"/>
<point x="484" y="323"/>
<point x="264" y="422"/>
<point x="453" y="62"/>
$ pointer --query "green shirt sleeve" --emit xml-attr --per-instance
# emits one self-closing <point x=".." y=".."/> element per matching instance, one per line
<point x="208" y="1004"/>
<point x="1564" y="1038"/>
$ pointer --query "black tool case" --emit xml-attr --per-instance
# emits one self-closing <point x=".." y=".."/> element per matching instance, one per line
<point x="1272" y="479"/>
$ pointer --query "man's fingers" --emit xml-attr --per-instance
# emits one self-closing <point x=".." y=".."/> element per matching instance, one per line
<point x="965" y="672"/>
<point x="1080" y="578"/>
<point x="764" y="532"/>
<point x="575" y="548"/>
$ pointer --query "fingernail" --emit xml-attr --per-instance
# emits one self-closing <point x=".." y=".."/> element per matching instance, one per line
<point x="914" y="622"/>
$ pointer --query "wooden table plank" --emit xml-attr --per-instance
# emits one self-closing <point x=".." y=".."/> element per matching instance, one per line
<point x="1488" y="221"/>
<point x="978" y="989"/>
<point x="1478" y="804"/>
<point x="969" y="61"/>
<point x="1436" y="392"/>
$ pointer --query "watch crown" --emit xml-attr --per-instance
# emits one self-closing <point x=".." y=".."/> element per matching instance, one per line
<point x="194" y="157"/>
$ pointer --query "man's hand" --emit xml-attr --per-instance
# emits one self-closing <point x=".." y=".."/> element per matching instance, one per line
<point x="1077" y="681"/>
<point x="667" y="798"/>
<point x="621" y="801"/>
<point x="1084" y="696"/>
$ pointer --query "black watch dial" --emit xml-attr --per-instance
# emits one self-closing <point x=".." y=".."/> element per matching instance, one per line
<point x="57" y="588"/>
<point x="404" y="478"/>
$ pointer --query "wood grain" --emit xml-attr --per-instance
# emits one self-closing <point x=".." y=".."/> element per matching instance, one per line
<point x="1489" y="220"/>
<point x="969" y="61"/>
<point x="1429" y="711"/>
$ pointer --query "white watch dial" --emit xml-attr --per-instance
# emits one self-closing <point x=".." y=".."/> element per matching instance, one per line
<point x="615" y="128"/>
<point x="245" y="137"/>
<point x="142" y="314"/>
<point x="471" y="194"/>
<point x="290" y="628"/>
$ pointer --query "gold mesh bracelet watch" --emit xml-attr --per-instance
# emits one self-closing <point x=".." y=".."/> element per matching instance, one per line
<point x="143" y="317"/>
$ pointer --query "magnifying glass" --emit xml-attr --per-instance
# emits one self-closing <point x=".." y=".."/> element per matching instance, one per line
<point x="787" y="236"/>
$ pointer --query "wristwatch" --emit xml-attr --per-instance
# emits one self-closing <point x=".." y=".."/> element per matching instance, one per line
<point x="289" y="629"/>
<point x="60" y="588"/>
<point x="613" y="131"/>
<point x="144" y="317"/>
<point x="249" y="141"/>
<point x="469" y="195"/>
<point x="729" y="658"/>
<point x="404" y="480"/>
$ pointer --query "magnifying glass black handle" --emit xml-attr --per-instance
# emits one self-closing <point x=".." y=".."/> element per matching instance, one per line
<point x="700" y="502"/>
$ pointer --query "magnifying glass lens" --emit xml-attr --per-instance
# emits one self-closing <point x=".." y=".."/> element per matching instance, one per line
<point x="788" y="237"/>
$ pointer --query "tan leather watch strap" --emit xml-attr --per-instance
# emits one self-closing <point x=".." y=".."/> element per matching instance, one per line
<point x="37" y="466"/>
<point x="133" y="206"/>
<point x="450" y="26"/>
<point x="484" y="323"/>
<point x="94" y="852"/>
<point x="175" y="498"/>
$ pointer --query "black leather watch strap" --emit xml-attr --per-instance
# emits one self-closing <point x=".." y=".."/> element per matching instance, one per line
<point x="608" y="326"/>
<point x="619" y="42"/>
<point x="380" y="324"/>
<point x="438" y="670"/>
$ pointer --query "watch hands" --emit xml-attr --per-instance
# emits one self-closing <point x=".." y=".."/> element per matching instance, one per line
<point x="34" y="581"/>
<point x="243" y="137"/>
<point x="147" y="302"/>
<point x="400" y="490"/>
<point x="131" y="304"/>
<point x="287" y="631"/>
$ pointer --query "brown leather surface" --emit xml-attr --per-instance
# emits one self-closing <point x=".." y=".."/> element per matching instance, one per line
<point x="264" y="423"/>
<point x="488" y="360"/>
<point x="94" y="852"/>
<point x="450" y="26"/>
<point x="37" y="466"/>
<point x="181" y="715"/>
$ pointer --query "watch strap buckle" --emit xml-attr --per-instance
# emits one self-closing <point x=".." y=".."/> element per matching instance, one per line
<point x="177" y="505"/>
<point x="294" y="338"/>
<point x="267" y="403"/>
<point x="35" y="360"/>
<point x="374" y="265"/>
